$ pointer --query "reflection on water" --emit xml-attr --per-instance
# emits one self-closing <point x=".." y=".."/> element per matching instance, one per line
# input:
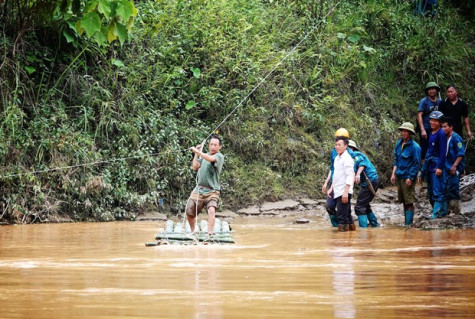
<point x="343" y="287"/>
<point x="277" y="269"/>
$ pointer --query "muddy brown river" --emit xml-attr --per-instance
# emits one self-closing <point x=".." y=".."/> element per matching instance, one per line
<point x="276" y="269"/>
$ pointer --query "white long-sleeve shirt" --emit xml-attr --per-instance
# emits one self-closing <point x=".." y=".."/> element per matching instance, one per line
<point x="343" y="174"/>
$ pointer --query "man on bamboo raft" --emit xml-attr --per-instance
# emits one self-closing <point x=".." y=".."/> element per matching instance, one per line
<point x="207" y="190"/>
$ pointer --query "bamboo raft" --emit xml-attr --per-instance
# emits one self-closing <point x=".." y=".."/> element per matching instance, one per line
<point x="173" y="233"/>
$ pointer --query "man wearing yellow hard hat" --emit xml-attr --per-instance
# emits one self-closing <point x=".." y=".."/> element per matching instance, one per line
<point x="343" y="180"/>
<point x="331" y="202"/>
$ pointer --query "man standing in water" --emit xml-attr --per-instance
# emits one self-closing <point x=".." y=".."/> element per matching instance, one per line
<point x="342" y="184"/>
<point x="330" y="205"/>
<point x="426" y="106"/>
<point x="406" y="164"/>
<point x="207" y="191"/>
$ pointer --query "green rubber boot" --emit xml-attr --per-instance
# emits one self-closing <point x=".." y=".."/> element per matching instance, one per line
<point x="334" y="220"/>
<point x="444" y="209"/>
<point x="373" y="220"/>
<point x="363" y="221"/>
<point x="436" y="211"/>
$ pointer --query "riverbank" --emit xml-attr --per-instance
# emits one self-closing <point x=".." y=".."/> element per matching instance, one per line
<point x="307" y="210"/>
<point x="385" y="206"/>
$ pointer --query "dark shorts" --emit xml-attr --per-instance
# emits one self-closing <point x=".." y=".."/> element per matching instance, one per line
<point x="210" y="200"/>
<point x="405" y="194"/>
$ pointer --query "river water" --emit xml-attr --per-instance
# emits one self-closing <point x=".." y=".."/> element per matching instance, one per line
<point x="276" y="269"/>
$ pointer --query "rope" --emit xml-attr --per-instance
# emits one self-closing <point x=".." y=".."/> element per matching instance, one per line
<point x="197" y="200"/>
<point x="78" y="165"/>
<point x="202" y="144"/>
<point x="274" y="68"/>
<point x="217" y="127"/>
<point x="197" y="189"/>
<point x="246" y="97"/>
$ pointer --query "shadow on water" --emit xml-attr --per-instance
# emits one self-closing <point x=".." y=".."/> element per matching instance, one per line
<point x="276" y="269"/>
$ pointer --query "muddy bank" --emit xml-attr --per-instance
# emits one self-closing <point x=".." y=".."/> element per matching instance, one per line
<point x="385" y="206"/>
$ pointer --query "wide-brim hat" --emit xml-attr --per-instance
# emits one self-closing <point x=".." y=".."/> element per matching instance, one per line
<point x="408" y="127"/>
<point x="352" y="143"/>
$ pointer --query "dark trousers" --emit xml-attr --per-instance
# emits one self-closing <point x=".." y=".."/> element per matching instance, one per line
<point x="436" y="187"/>
<point x="365" y="196"/>
<point x="343" y="211"/>
<point x="330" y="206"/>
<point x="424" y="143"/>
<point x="453" y="186"/>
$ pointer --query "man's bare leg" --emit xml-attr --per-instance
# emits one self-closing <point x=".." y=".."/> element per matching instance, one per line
<point x="191" y="221"/>
<point x="211" y="219"/>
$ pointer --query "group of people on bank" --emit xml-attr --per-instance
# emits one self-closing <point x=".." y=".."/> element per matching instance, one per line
<point x="348" y="166"/>
<point x="439" y="160"/>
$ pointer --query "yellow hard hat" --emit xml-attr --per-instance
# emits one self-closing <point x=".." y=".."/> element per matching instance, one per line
<point x="342" y="132"/>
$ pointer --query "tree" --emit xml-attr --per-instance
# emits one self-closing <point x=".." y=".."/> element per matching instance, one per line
<point x="103" y="21"/>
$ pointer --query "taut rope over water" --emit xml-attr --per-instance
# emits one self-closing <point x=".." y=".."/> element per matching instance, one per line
<point x="214" y="130"/>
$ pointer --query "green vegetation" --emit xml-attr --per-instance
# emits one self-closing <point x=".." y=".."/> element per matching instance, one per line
<point x="129" y="110"/>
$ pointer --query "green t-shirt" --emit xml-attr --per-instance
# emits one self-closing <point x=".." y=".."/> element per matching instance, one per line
<point x="208" y="174"/>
